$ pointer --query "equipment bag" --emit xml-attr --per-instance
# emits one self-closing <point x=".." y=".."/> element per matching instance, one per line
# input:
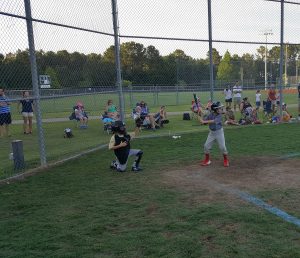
<point x="186" y="116"/>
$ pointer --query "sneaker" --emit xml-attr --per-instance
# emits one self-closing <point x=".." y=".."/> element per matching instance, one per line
<point x="113" y="165"/>
<point x="120" y="170"/>
<point x="136" y="169"/>
<point x="226" y="163"/>
<point x="205" y="163"/>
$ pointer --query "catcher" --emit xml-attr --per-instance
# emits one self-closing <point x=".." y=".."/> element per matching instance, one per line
<point x="216" y="133"/>
<point x="120" y="144"/>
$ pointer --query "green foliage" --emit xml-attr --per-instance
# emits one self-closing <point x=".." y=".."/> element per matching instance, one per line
<point x="225" y="70"/>
<point x="142" y="65"/>
<point x="54" y="78"/>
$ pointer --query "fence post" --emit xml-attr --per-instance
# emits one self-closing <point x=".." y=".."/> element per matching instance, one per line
<point x="35" y="84"/>
<point x="177" y="95"/>
<point x="117" y="58"/>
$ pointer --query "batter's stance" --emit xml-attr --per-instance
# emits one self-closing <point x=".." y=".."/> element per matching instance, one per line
<point x="216" y="133"/>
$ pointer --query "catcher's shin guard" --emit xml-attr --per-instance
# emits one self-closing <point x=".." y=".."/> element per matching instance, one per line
<point x="206" y="161"/>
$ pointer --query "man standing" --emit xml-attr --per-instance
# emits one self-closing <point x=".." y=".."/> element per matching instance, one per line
<point x="5" y="117"/>
<point x="272" y="97"/>
<point x="228" y="97"/>
<point x="237" y="95"/>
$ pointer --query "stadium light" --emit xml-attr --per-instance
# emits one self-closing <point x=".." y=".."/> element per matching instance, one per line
<point x="266" y="33"/>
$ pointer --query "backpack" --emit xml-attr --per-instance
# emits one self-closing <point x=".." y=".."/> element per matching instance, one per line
<point x="186" y="116"/>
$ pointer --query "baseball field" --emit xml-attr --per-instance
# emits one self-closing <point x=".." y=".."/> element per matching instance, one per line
<point x="173" y="208"/>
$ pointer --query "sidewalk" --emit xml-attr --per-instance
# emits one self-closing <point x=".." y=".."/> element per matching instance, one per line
<point x="65" y="119"/>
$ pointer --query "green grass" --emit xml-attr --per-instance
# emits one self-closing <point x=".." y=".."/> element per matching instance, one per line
<point x="82" y="209"/>
<point x="58" y="148"/>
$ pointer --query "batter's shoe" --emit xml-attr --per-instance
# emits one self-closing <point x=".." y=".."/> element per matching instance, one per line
<point x="120" y="170"/>
<point x="205" y="162"/>
<point x="226" y="161"/>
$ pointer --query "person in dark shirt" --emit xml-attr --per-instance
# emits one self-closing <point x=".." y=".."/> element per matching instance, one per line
<point x="27" y="112"/>
<point x="5" y="116"/>
<point x="120" y="144"/>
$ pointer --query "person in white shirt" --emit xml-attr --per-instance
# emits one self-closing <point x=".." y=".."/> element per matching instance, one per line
<point x="228" y="97"/>
<point x="257" y="99"/>
<point x="237" y="95"/>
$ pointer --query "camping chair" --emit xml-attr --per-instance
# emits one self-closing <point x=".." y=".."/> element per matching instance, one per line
<point x="75" y="119"/>
<point x="107" y="123"/>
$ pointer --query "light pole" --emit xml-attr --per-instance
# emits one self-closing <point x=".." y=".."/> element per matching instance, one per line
<point x="266" y="33"/>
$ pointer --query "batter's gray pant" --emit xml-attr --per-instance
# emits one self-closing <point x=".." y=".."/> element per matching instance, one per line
<point x="213" y="136"/>
<point x="132" y="152"/>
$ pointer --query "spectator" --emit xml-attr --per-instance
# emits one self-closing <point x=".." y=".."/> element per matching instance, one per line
<point x="258" y="100"/>
<point x="254" y="117"/>
<point x="246" y="110"/>
<point x="5" y="116"/>
<point x="228" y="97"/>
<point x="272" y="97"/>
<point x="81" y="115"/>
<point x="229" y="117"/>
<point x="194" y="107"/>
<point x="237" y="95"/>
<point x="161" y="116"/>
<point x="143" y="116"/>
<point x="27" y="112"/>
<point x="286" y="116"/>
<point x="111" y="110"/>
<point x="245" y="104"/>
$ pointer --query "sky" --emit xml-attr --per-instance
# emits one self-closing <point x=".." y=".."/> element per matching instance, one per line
<point x="232" y="20"/>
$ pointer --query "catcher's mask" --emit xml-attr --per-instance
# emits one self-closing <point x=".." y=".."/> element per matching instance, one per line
<point x="118" y="127"/>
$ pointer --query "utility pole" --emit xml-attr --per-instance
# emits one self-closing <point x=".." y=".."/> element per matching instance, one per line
<point x="285" y="65"/>
<point x="266" y="33"/>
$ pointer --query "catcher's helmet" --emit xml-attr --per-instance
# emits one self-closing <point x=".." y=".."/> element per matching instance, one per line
<point x="118" y="126"/>
<point x="216" y="105"/>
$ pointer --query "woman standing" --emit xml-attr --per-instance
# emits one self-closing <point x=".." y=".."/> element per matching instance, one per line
<point x="27" y="112"/>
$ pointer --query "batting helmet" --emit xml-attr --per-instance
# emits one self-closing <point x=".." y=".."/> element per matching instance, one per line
<point x="216" y="105"/>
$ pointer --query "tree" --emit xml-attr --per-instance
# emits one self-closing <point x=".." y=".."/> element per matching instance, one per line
<point x="226" y="71"/>
<point x="216" y="57"/>
<point x="53" y="76"/>
<point x="261" y="52"/>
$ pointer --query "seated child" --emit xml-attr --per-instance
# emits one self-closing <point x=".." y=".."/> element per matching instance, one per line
<point x="229" y="117"/>
<point x="81" y="115"/>
<point x="120" y="144"/>
<point x="161" y="117"/>
<point x="254" y="117"/>
<point x="286" y="117"/>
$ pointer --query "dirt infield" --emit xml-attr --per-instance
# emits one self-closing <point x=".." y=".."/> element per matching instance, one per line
<point x="279" y="177"/>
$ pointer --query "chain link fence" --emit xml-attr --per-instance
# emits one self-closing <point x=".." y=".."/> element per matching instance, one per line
<point x="164" y="58"/>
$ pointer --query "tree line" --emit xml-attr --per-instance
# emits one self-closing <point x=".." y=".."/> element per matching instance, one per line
<point x="141" y="66"/>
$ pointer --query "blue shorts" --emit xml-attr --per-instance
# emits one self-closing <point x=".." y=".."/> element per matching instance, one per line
<point x="5" y="119"/>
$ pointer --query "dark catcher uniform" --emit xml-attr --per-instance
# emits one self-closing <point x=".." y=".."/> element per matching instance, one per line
<point x="123" y="152"/>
